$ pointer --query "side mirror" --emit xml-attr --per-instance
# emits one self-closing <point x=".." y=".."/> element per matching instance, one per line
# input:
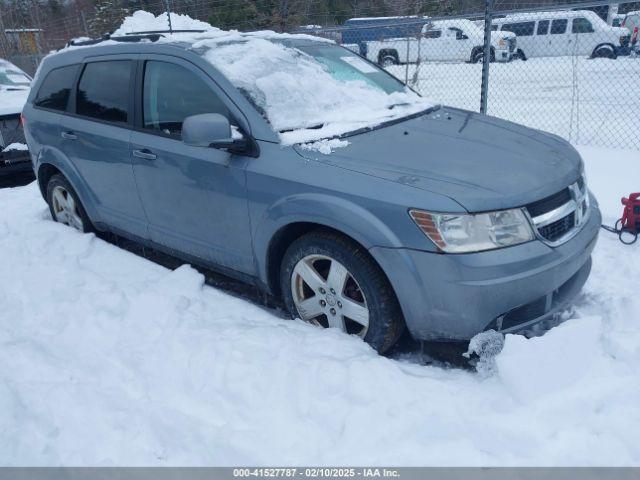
<point x="206" y="129"/>
<point x="462" y="36"/>
<point x="213" y="130"/>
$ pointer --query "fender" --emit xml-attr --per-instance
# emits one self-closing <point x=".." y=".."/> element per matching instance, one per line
<point x="333" y="212"/>
<point x="55" y="157"/>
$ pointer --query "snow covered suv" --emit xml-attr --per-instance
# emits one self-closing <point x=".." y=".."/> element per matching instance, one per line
<point x="296" y="165"/>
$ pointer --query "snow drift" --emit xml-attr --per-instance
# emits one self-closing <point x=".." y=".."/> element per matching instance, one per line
<point x="109" y="359"/>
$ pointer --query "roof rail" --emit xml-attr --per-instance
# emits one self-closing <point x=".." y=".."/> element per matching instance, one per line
<point x="165" y="31"/>
<point x="128" y="38"/>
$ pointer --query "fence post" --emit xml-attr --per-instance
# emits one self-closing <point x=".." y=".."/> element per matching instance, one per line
<point x="486" y="57"/>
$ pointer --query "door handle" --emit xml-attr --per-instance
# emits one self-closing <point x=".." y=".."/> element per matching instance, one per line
<point x="145" y="153"/>
<point x="69" y="135"/>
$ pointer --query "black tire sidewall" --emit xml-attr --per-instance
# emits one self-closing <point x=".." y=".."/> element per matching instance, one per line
<point x="385" y="318"/>
<point x="60" y="181"/>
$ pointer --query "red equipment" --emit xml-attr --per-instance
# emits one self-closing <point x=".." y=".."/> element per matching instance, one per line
<point x="628" y="227"/>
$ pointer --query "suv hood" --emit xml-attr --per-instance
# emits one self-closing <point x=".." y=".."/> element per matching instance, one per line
<point x="480" y="162"/>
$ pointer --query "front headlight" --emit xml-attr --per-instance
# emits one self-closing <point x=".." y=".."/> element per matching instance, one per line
<point x="461" y="233"/>
<point x="502" y="42"/>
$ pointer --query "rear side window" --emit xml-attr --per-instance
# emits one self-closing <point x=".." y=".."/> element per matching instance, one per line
<point x="172" y="93"/>
<point x="103" y="91"/>
<point x="521" y="29"/>
<point x="558" y="27"/>
<point x="432" y="34"/>
<point x="543" y="27"/>
<point x="56" y="88"/>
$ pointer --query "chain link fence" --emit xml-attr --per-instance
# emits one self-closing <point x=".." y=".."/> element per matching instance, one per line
<point x="572" y="69"/>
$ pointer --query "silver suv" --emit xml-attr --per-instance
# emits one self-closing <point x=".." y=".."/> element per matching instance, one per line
<point x="296" y="165"/>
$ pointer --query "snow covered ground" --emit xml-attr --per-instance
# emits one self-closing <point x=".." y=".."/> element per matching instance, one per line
<point x="587" y="101"/>
<point x="109" y="359"/>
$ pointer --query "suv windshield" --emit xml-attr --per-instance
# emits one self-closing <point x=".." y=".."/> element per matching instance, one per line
<point x="309" y="90"/>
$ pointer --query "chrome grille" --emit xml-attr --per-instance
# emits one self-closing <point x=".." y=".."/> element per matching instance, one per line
<point x="559" y="217"/>
<point x="559" y="228"/>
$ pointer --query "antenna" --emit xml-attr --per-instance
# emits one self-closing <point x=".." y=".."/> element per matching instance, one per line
<point x="168" y="9"/>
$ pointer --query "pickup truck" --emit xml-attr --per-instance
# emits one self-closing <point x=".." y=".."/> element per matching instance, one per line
<point x="443" y="40"/>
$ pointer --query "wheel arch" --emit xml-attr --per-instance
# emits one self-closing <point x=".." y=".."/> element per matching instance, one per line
<point x="604" y="44"/>
<point x="288" y="234"/>
<point x="51" y="162"/>
<point x="304" y="214"/>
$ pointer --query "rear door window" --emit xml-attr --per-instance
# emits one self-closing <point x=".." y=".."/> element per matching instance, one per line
<point x="521" y="29"/>
<point x="172" y="93"/>
<point x="103" y="91"/>
<point x="56" y="88"/>
<point x="559" y="27"/>
<point x="432" y="34"/>
<point x="543" y="27"/>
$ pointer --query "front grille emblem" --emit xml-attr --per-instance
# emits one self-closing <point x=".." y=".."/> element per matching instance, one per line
<point x="562" y="223"/>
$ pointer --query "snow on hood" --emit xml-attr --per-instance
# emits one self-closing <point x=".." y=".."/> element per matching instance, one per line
<point x="498" y="34"/>
<point x="297" y="94"/>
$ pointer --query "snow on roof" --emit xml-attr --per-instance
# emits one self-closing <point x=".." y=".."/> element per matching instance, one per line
<point x="551" y="15"/>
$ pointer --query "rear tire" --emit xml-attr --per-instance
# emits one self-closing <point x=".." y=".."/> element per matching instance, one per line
<point x="388" y="61"/>
<point x="310" y="291"/>
<point x="65" y="206"/>
<point x="604" y="51"/>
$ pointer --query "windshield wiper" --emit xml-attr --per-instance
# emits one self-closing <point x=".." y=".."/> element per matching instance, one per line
<point x="398" y="105"/>
<point x="313" y="127"/>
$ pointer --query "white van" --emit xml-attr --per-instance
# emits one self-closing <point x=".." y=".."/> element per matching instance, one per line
<point x="443" y="40"/>
<point x="553" y="34"/>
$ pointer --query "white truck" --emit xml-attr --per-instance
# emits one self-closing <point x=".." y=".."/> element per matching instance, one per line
<point x="444" y="41"/>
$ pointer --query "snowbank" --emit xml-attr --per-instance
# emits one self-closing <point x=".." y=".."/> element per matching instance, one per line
<point x="109" y="359"/>
<point x="16" y="147"/>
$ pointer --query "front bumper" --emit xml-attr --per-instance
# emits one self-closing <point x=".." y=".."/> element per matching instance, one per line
<point x="455" y="297"/>
<point x="503" y="55"/>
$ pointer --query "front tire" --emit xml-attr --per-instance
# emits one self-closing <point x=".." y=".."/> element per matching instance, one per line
<point x="65" y="206"/>
<point x="330" y="281"/>
<point x="478" y="56"/>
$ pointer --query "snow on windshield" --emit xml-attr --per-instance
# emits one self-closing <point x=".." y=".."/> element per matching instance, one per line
<point x="303" y="98"/>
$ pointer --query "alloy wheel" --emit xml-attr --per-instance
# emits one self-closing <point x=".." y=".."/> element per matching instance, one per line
<point x="65" y="208"/>
<point x="326" y="294"/>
